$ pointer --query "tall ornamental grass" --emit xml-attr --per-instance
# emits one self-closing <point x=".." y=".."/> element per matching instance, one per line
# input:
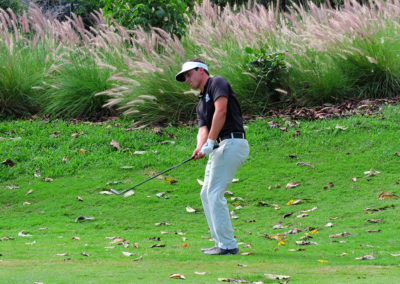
<point x="330" y="55"/>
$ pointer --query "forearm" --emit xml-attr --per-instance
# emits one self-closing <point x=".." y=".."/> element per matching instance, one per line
<point x="217" y="124"/>
<point x="202" y="136"/>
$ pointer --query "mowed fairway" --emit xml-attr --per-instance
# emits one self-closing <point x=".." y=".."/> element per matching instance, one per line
<point x="338" y="168"/>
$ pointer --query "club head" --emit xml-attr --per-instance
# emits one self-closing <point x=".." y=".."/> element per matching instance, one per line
<point x="114" y="191"/>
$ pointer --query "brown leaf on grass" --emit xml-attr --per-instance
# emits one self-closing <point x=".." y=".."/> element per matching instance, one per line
<point x="250" y="221"/>
<point x="278" y="226"/>
<point x="162" y="195"/>
<point x="83" y="218"/>
<point x="276" y="277"/>
<point x="170" y="180"/>
<point x="395" y="254"/>
<point x="330" y="185"/>
<point x="308" y="164"/>
<point x="29" y="192"/>
<point x="374" y="231"/>
<point x="65" y="159"/>
<point x="138" y="259"/>
<point x="7" y="238"/>
<point x="162" y="224"/>
<point x="302" y="216"/>
<point x="297" y="133"/>
<point x="24" y="234"/>
<point x="232" y="280"/>
<point x="158" y="246"/>
<point x="13" y="186"/>
<point x="371" y="172"/>
<point x="287" y="215"/>
<point x="344" y="234"/>
<point x="190" y="209"/>
<point x="126" y="253"/>
<point x="385" y="195"/>
<point x="309" y="210"/>
<point x="233" y="215"/>
<point x="397" y="154"/>
<point x="26" y="203"/>
<point x="82" y="151"/>
<point x="294" y="231"/>
<point x="106" y="192"/>
<point x="76" y="238"/>
<point x="292" y="156"/>
<point x="79" y="198"/>
<point x="366" y="257"/>
<point x="8" y="163"/>
<point x="139" y="152"/>
<point x="85" y="254"/>
<point x="294" y="202"/>
<point x="115" y="145"/>
<point x="292" y="185"/>
<point x="47" y="179"/>
<point x="262" y="203"/>
<point x="306" y="243"/>
<point x="374" y="220"/>
<point x="129" y="193"/>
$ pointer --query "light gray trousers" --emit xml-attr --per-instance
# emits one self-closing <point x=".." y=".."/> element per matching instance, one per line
<point x="223" y="163"/>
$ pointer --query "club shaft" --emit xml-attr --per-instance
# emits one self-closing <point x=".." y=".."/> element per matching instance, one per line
<point x="163" y="172"/>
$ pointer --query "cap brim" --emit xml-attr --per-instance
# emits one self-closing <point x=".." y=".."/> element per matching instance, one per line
<point x="187" y="66"/>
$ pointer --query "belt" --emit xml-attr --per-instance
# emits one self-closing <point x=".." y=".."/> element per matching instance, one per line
<point x="239" y="135"/>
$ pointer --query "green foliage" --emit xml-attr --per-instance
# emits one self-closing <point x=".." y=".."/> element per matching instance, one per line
<point x="70" y="90"/>
<point x="14" y="5"/>
<point x="21" y="69"/>
<point x="268" y="67"/>
<point x="84" y="8"/>
<point x="170" y="15"/>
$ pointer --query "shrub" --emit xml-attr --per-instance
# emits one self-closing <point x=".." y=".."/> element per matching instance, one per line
<point x="72" y="85"/>
<point x="170" y="15"/>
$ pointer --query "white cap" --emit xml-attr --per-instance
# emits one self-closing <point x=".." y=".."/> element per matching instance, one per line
<point x="189" y="66"/>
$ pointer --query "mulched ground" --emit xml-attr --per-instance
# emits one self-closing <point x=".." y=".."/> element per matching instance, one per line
<point x="329" y="111"/>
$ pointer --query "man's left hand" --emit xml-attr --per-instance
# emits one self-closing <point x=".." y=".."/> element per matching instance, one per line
<point x="208" y="147"/>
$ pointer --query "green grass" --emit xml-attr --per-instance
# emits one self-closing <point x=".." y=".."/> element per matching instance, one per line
<point x="338" y="156"/>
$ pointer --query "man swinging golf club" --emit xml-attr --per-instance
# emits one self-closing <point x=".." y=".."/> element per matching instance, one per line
<point x="220" y="121"/>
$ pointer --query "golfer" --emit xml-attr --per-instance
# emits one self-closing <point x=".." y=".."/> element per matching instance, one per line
<point x="220" y="123"/>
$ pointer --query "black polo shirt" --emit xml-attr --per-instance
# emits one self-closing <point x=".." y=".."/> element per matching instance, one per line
<point x="219" y="87"/>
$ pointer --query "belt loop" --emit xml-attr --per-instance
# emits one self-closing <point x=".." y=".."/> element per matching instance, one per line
<point x="232" y="135"/>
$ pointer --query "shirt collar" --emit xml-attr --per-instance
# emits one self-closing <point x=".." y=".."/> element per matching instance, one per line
<point x="205" y="88"/>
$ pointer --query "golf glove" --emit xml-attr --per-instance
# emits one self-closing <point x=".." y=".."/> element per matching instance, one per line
<point x="208" y="147"/>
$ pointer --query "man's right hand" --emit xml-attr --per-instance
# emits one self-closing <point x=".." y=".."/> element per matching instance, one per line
<point x="197" y="154"/>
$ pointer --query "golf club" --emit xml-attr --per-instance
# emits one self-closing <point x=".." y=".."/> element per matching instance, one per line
<point x="150" y="178"/>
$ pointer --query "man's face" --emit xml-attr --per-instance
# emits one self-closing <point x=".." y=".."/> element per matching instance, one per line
<point x="193" y="78"/>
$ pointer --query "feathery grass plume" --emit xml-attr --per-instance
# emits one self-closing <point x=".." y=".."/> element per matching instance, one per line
<point x="72" y="87"/>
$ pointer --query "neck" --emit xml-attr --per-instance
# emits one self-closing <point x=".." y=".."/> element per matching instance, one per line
<point x="203" y="83"/>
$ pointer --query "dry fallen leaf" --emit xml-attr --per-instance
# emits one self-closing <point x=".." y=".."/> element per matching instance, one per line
<point x="371" y="172"/>
<point x="374" y="220"/>
<point x="276" y="277"/>
<point x="162" y="195"/>
<point x="138" y="259"/>
<point x="26" y="203"/>
<point x="234" y="216"/>
<point x="140" y="152"/>
<point x="129" y="193"/>
<point x="47" y="179"/>
<point x="302" y="216"/>
<point x="79" y="198"/>
<point x="177" y="276"/>
<point x="8" y="162"/>
<point x="292" y="185"/>
<point x="262" y="203"/>
<point x="232" y="280"/>
<point x="115" y="144"/>
<point x="308" y="164"/>
<point x="395" y="254"/>
<point x="106" y="192"/>
<point x="29" y="192"/>
<point x="366" y="257"/>
<point x="329" y="225"/>
<point x="85" y="254"/>
<point x="278" y="226"/>
<point x="24" y="234"/>
<point x="12" y="186"/>
<point x="200" y="273"/>
<point x="305" y="243"/>
<point x="309" y="210"/>
<point x="385" y="195"/>
<point x="200" y="182"/>
<point x="322" y="261"/>
<point x="190" y="209"/>
<point x="82" y="218"/>
<point x="344" y="234"/>
<point x="127" y="253"/>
